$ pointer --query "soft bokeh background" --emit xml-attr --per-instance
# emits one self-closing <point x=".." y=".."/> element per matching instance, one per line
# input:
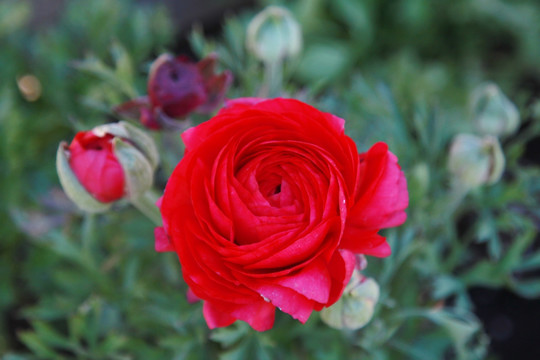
<point x="464" y="278"/>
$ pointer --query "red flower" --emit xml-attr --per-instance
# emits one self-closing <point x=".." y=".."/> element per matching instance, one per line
<point x="269" y="206"/>
<point x="176" y="88"/>
<point x="95" y="165"/>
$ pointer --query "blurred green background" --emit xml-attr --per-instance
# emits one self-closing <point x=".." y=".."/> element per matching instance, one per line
<point x="75" y="286"/>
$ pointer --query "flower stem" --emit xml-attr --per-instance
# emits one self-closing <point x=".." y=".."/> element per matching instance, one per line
<point x="457" y="248"/>
<point x="273" y="78"/>
<point x="146" y="204"/>
<point x="88" y="237"/>
<point x="458" y="194"/>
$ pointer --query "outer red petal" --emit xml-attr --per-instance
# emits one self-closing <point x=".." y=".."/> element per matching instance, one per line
<point x="191" y="297"/>
<point x="258" y="314"/>
<point x="161" y="234"/>
<point x="287" y="300"/>
<point x="233" y="105"/>
<point x="367" y="242"/>
<point x="162" y="240"/>
<point x="382" y="198"/>
<point x="380" y="202"/>
<point x="313" y="282"/>
<point x="216" y="318"/>
<point x="341" y="267"/>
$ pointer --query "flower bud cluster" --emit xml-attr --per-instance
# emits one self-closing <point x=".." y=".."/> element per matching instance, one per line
<point x="117" y="161"/>
<point x="479" y="160"/>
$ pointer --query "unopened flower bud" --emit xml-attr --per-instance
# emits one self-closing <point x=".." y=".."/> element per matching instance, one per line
<point x="106" y="164"/>
<point x="356" y="306"/>
<point x="493" y="113"/>
<point x="274" y="35"/>
<point x="476" y="161"/>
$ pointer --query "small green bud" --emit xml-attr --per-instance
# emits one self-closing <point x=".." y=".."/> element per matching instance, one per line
<point x="493" y="113"/>
<point x="356" y="306"/>
<point x="475" y="161"/>
<point x="274" y="35"/>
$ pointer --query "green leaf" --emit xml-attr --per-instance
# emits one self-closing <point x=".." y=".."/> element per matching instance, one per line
<point x="324" y="61"/>
<point x="50" y="336"/>
<point x="111" y="344"/>
<point x="444" y="286"/>
<point x="37" y="345"/>
<point x="530" y="263"/>
<point x="358" y="17"/>
<point x="123" y="63"/>
<point x="230" y="335"/>
<point x="529" y="289"/>
<point x="93" y="65"/>
<point x="77" y="327"/>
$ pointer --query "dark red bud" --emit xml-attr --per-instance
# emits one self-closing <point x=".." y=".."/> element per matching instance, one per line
<point x="149" y="120"/>
<point x="175" y="86"/>
<point x="216" y="86"/>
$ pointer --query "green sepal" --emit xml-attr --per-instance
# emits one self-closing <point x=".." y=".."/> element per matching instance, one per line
<point x="138" y="171"/>
<point x="498" y="161"/>
<point x="72" y="187"/>
<point x="143" y="142"/>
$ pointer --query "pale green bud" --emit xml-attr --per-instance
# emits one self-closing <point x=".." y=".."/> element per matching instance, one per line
<point x="356" y="306"/>
<point x="274" y="35"/>
<point x="475" y="161"/>
<point x="493" y="113"/>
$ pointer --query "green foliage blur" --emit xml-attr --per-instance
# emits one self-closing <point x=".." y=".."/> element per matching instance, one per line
<point x="79" y="286"/>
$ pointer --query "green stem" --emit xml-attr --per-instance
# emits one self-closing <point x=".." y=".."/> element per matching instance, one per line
<point x="88" y="237"/>
<point x="458" y="193"/>
<point x="146" y="204"/>
<point x="457" y="248"/>
<point x="273" y="78"/>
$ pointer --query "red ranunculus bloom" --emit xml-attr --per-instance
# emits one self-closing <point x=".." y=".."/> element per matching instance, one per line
<point x="95" y="165"/>
<point x="268" y="207"/>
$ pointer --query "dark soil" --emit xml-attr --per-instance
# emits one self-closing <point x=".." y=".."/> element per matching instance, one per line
<point x="512" y="323"/>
